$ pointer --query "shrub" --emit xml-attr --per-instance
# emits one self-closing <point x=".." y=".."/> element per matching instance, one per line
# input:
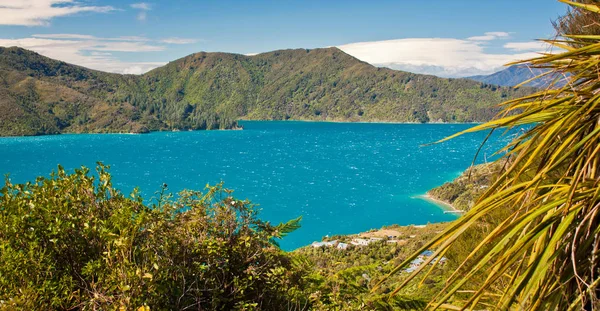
<point x="72" y="241"/>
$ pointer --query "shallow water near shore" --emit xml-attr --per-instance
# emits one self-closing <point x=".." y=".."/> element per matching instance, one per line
<point x="341" y="178"/>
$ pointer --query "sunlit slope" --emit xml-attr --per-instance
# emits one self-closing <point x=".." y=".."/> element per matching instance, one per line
<point x="213" y="90"/>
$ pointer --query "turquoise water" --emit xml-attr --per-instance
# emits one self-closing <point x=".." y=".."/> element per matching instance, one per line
<point x="341" y="177"/>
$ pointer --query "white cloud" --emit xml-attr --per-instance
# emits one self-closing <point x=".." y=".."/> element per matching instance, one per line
<point x="62" y="36"/>
<point x="89" y="51"/>
<point x="143" y="7"/>
<point x="123" y="46"/>
<point x="498" y="34"/>
<point x="40" y="12"/>
<point x="129" y="38"/>
<point x="100" y="53"/>
<point x="176" y="40"/>
<point x="140" y="68"/>
<point x="527" y="46"/>
<point x="446" y="57"/>
<point x="489" y="36"/>
<point x="71" y="36"/>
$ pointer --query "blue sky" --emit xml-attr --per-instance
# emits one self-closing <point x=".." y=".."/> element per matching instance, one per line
<point x="447" y="38"/>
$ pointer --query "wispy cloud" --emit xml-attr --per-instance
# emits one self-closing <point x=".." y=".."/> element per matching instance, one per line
<point x="90" y="51"/>
<point x="489" y="36"/>
<point x="144" y="8"/>
<point x="177" y="40"/>
<point x="446" y="57"/>
<point x="527" y="46"/>
<point x="96" y="52"/>
<point x="89" y="37"/>
<point x="63" y="36"/>
<point x="141" y="6"/>
<point x="40" y="12"/>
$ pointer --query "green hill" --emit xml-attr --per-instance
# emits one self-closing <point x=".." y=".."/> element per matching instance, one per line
<point x="463" y="191"/>
<point x="39" y="95"/>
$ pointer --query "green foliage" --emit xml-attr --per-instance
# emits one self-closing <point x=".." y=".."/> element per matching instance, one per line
<point x="342" y="279"/>
<point x="39" y="95"/>
<point x="72" y="241"/>
<point x="463" y="192"/>
<point x="542" y="254"/>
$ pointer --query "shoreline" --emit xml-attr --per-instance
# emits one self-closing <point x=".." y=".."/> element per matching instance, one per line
<point x="241" y="128"/>
<point x="118" y="133"/>
<point x="447" y="207"/>
<point x="357" y="122"/>
<point x="397" y="233"/>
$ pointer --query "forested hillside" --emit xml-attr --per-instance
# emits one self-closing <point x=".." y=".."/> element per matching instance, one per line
<point x="39" y="95"/>
<point x="463" y="192"/>
<point x="214" y="90"/>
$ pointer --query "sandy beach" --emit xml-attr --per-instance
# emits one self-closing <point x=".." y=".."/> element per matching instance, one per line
<point x="444" y="205"/>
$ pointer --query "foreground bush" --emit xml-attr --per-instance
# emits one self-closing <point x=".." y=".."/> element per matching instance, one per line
<point x="72" y="241"/>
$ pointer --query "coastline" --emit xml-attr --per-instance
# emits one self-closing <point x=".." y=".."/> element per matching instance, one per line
<point x="241" y="128"/>
<point x="442" y="204"/>
<point x="384" y="230"/>
<point x="118" y="133"/>
<point x="357" y="122"/>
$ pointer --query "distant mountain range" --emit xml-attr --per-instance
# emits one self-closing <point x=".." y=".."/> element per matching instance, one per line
<point x="39" y="95"/>
<point x="514" y="75"/>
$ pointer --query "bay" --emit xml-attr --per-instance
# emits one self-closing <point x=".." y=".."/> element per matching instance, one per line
<point x="341" y="178"/>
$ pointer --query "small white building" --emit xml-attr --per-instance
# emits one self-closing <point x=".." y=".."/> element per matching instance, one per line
<point x="360" y="242"/>
<point x="342" y="245"/>
<point x="365" y="242"/>
<point x="316" y="244"/>
<point x="321" y="244"/>
<point x="421" y="260"/>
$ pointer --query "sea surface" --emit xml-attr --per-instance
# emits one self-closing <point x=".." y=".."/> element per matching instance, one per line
<point x="341" y="178"/>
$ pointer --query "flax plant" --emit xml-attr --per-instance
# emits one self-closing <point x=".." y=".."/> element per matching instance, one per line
<point x="545" y="254"/>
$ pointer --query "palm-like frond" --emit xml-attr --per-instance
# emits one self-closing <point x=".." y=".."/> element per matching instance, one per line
<point x="283" y="229"/>
<point x="544" y="255"/>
